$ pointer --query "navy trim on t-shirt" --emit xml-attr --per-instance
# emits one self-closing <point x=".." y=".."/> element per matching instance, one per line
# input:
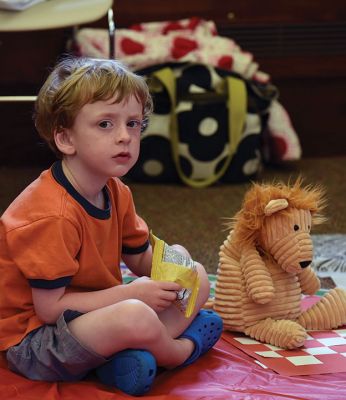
<point x="50" y="284"/>
<point x="135" y="250"/>
<point x="93" y="211"/>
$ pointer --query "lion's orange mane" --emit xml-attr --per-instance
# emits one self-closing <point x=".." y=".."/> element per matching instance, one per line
<point x="248" y="221"/>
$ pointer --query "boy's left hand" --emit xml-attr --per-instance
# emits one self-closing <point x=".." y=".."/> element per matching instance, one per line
<point x="159" y="295"/>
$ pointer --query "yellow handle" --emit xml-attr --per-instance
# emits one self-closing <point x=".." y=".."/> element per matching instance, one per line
<point x="237" y="106"/>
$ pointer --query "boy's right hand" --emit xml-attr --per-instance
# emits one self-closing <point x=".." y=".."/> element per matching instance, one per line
<point x="158" y="295"/>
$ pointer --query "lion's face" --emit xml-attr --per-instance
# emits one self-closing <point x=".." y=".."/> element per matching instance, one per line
<point x="286" y="236"/>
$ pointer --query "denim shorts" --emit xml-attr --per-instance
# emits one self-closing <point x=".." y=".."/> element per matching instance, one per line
<point x="51" y="353"/>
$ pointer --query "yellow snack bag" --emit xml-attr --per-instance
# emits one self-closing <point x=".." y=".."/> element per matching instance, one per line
<point x="170" y="265"/>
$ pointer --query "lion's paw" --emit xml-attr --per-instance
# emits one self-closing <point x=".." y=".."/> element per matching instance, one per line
<point x="296" y="338"/>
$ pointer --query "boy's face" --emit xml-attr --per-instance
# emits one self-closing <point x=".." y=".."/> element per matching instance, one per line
<point x="106" y="137"/>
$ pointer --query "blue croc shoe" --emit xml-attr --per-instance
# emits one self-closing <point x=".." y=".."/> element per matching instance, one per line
<point x="204" y="331"/>
<point x="132" y="371"/>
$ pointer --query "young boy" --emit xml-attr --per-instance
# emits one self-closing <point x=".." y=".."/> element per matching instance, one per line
<point x="64" y="309"/>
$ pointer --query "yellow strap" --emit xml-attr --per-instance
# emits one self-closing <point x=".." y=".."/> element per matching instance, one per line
<point x="237" y="106"/>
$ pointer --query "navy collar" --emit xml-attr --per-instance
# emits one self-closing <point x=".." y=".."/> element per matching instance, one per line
<point x="93" y="211"/>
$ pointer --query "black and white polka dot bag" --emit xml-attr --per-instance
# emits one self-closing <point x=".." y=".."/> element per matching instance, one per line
<point x="206" y="127"/>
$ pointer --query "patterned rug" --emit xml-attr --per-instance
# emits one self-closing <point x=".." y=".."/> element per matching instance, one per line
<point x="329" y="253"/>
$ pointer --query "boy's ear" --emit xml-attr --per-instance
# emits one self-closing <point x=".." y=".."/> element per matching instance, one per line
<point x="63" y="141"/>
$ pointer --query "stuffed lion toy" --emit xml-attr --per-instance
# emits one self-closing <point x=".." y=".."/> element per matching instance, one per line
<point x="265" y="267"/>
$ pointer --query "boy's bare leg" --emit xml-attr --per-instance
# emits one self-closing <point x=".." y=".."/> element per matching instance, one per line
<point x="133" y="324"/>
<point x="129" y="324"/>
<point x="174" y="319"/>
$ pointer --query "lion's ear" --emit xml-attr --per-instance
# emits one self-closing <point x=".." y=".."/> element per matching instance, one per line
<point x="258" y="281"/>
<point x="274" y="206"/>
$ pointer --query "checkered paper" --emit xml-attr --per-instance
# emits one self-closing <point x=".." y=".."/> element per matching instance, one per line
<point x="323" y="352"/>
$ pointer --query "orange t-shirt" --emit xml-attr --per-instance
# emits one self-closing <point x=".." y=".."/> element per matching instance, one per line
<point x="52" y="237"/>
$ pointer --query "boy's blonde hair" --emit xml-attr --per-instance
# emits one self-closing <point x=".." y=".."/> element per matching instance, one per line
<point x="76" y="81"/>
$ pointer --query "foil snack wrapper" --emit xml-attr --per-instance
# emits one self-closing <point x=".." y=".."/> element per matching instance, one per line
<point x="170" y="265"/>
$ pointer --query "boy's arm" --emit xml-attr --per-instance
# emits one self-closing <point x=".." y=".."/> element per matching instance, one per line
<point x="50" y="303"/>
<point x="139" y="264"/>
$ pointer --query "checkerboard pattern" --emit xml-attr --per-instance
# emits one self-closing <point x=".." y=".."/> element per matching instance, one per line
<point x="323" y="352"/>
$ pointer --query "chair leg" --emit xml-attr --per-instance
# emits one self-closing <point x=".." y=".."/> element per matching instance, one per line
<point x="111" y="31"/>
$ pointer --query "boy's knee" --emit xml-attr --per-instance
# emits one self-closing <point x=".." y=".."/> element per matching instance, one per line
<point x="181" y="249"/>
<point x="204" y="289"/>
<point x="140" y="322"/>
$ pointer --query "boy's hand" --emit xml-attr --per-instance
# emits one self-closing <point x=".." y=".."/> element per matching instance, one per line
<point x="156" y="294"/>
